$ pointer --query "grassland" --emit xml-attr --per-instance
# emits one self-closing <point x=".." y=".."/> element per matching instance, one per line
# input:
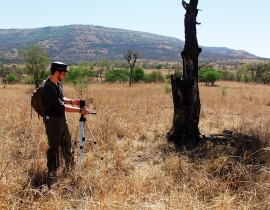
<point x="132" y="166"/>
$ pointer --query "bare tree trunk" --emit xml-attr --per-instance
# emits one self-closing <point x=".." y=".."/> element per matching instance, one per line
<point x="185" y="91"/>
<point x="128" y="56"/>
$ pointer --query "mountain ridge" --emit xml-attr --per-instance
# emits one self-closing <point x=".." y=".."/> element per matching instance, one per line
<point x="72" y="43"/>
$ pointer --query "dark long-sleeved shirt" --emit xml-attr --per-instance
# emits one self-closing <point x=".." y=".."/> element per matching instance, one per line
<point x="53" y="94"/>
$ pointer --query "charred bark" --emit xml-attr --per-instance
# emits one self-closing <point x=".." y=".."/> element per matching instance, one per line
<point x="185" y="91"/>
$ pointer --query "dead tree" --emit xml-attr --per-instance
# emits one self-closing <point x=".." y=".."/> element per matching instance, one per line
<point x="128" y="57"/>
<point x="185" y="90"/>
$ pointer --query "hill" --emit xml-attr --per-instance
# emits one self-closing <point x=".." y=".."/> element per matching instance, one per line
<point x="87" y="42"/>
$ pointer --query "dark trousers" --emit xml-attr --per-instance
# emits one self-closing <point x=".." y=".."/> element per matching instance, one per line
<point x="58" y="134"/>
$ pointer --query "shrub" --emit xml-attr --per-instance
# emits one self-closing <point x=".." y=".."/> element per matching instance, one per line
<point x="80" y="84"/>
<point x="168" y="88"/>
<point x="11" y="78"/>
<point x="226" y="75"/>
<point x="154" y="76"/>
<point x="121" y="75"/>
<point x="178" y="73"/>
<point x="168" y="76"/>
<point x="158" y="66"/>
<point x="75" y="72"/>
<point x="211" y="77"/>
<point x="110" y="76"/>
<point x="137" y="74"/>
<point x="208" y="76"/>
<point x="224" y="90"/>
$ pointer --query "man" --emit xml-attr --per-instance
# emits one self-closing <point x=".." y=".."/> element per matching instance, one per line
<point x="57" y="129"/>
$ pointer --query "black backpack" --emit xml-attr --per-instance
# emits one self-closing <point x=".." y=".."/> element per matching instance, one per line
<point x="36" y="101"/>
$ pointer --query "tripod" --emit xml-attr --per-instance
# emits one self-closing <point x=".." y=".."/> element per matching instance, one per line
<point x="82" y="138"/>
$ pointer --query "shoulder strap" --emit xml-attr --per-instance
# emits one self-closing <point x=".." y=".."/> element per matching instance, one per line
<point x="49" y="82"/>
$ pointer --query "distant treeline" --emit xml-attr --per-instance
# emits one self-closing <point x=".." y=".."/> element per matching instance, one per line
<point x="111" y="72"/>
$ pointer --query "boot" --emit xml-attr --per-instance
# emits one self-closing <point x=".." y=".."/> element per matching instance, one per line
<point x="51" y="178"/>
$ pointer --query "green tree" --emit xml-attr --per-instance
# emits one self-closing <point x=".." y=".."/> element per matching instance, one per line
<point x="72" y="74"/>
<point x="208" y="75"/>
<point x="211" y="77"/>
<point x="36" y="60"/>
<point x="117" y="64"/>
<point x="239" y="73"/>
<point x="247" y="78"/>
<point x="264" y="72"/>
<point x="158" y="66"/>
<point x="82" y="64"/>
<point x="4" y="71"/>
<point x="251" y="71"/>
<point x="75" y="72"/>
<point x="80" y="84"/>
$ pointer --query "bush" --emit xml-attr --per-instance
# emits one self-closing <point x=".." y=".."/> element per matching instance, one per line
<point x="208" y="75"/>
<point x="168" y="88"/>
<point x="154" y="76"/>
<point x="211" y="77"/>
<point x="158" y="66"/>
<point x="137" y="74"/>
<point x="121" y="75"/>
<point x="80" y="84"/>
<point x="72" y="74"/>
<point x="110" y="76"/>
<point x="226" y="75"/>
<point x="75" y="72"/>
<point x="11" y="78"/>
<point x="178" y="73"/>
<point x="168" y="76"/>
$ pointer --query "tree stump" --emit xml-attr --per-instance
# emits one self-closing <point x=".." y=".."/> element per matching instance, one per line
<point x="185" y="90"/>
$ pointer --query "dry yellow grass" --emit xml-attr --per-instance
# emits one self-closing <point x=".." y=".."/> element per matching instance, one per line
<point x="132" y="166"/>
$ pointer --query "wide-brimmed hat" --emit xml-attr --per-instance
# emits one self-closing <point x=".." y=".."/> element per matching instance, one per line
<point x="58" y="66"/>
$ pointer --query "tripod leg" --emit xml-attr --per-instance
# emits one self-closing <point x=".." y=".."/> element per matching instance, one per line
<point x="91" y="132"/>
<point x="82" y="138"/>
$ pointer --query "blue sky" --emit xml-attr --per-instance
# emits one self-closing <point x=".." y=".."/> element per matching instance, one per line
<point x="236" y="24"/>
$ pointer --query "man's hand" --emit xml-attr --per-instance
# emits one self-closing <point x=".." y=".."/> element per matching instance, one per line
<point x="85" y="111"/>
<point x="76" y="102"/>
